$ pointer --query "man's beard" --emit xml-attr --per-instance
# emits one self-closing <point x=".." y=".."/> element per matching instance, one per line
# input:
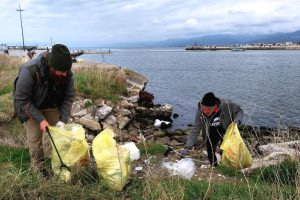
<point x="58" y="81"/>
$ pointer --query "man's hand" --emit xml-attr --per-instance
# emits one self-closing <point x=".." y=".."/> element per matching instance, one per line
<point x="184" y="152"/>
<point x="60" y="124"/>
<point x="43" y="126"/>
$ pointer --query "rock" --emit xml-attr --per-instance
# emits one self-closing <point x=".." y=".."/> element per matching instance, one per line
<point x="159" y="133"/>
<point x="146" y="99"/>
<point x="109" y="103"/>
<point x="133" y="91"/>
<point x="99" y="102"/>
<point x="175" y="115"/>
<point x="164" y="112"/>
<point x="111" y="120"/>
<point x="291" y="148"/>
<point x="134" y="132"/>
<point x="90" y="137"/>
<point x="126" y="104"/>
<point x="133" y="99"/>
<point x="165" y="125"/>
<point x="114" y="127"/>
<point x="274" y="158"/>
<point x="137" y="84"/>
<point x="89" y="123"/>
<point x="125" y="112"/>
<point x="103" y="111"/>
<point x="123" y="122"/>
<point x="163" y="140"/>
<point x="175" y="143"/>
<point x="181" y="139"/>
<point x="80" y="113"/>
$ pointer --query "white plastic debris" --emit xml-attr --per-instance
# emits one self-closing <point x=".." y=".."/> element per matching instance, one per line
<point x="158" y="122"/>
<point x="138" y="168"/>
<point x="134" y="151"/>
<point x="184" y="168"/>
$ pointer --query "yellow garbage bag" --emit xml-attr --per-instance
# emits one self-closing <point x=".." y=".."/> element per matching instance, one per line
<point x="72" y="147"/>
<point x="235" y="152"/>
<point x="113" y="160"/>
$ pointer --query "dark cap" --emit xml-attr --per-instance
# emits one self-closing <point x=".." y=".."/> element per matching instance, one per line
<point x="209" y="99"/>
<point x="60" y="58"/>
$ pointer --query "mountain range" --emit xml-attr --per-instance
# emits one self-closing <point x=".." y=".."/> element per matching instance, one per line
<point x="220" y="39"/>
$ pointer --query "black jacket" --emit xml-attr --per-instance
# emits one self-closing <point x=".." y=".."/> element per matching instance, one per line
<point x="33" y="89"/>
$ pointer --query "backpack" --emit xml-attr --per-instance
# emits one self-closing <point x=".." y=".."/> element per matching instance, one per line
<point x="34" y="71"/>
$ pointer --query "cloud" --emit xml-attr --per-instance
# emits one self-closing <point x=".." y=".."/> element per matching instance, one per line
<point x="112" y="21"/>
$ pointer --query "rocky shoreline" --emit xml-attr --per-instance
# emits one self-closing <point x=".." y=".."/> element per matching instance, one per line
<point x="133" y="119"/>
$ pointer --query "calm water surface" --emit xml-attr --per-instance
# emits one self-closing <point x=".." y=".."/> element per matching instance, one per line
<point x="265" y="83"/>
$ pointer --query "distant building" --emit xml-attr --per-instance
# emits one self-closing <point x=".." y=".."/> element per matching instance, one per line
<point x="3" y="47"/>
<point x="288" y="43"/>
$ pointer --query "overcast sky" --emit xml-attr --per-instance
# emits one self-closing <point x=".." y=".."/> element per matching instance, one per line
<point x="101" y="22"/>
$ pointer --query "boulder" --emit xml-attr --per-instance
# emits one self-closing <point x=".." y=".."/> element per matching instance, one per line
<point x="81" y="113"/>
<point x="89" y="123"/>
<point x="123" y="122"/>
<point x="103" y="111"/>
<point x="125" y="104"/>
<point x="111" y="120"/>
<point x="163" y="112"/>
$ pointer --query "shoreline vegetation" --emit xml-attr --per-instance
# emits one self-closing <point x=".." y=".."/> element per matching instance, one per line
<point x="102" y="87"/>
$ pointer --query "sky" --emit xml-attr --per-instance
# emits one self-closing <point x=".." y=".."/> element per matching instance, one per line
<point x="105" y="22"/>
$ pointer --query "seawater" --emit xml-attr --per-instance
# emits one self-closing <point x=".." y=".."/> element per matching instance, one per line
<point x="265" y="83"/>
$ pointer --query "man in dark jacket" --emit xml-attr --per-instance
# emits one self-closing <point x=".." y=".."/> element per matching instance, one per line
<point x="44" y="95"/>
<point x="213" y="116"/>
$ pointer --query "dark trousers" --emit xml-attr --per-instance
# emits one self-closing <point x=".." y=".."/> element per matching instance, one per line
<point x="214" y="138"/>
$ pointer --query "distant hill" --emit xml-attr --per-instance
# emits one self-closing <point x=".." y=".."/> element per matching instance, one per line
<point x="224" y="39"/>
<point x="218" y="39"/>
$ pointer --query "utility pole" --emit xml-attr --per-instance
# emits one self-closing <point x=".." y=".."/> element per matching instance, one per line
<point x="20" y="10"/>
<point x="51" y="41"/>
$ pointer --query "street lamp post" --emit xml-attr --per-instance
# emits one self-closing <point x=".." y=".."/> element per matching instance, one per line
<point x="20" y="10"/>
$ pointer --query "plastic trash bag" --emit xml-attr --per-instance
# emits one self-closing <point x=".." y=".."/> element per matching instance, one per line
<point x="72" y="147"/>
<point x="134" y="151"/>
<point x="185" y="168"/>
<point x="235" y="153"/>
<point x="113" y="160"/>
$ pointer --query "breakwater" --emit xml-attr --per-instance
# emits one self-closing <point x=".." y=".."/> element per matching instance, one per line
<point x="243" y="48"/>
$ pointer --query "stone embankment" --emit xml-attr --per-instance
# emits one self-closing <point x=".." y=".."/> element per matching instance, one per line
<point x="133" y="119"/>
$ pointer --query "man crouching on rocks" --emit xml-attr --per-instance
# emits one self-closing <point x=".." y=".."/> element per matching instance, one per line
<point x="43" y="95"/>
<point x="213" y="116"/>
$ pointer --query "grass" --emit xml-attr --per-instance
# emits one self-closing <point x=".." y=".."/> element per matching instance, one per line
<point x="9" y="67"/>
<point x="151" y="148"/>
<point x="286" y="173"/>
<point x="96" y="83"/>
<point x="17" y="181"/>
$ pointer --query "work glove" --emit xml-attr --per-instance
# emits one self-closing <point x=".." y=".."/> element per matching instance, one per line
<point x="43" y="125"/>
<point x="60" y="124"/>
<point x="184" y="152"/>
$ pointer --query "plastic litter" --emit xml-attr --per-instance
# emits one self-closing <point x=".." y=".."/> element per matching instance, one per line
<point x="134" y="151"/>
<point x="184" y="168"/>
<point x="235" y="152"/>
<point x="72" y="147"/>
<point x="113" y="160"/>
<point x="158" y="123"/>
